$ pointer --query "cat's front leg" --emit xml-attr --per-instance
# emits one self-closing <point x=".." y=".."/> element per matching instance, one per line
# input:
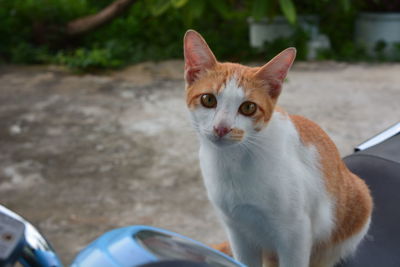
<point x="294" y="249"/>
<point x="243" y="249"/>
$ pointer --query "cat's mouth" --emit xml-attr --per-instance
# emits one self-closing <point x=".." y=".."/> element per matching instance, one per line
<point x="224" y="141"/>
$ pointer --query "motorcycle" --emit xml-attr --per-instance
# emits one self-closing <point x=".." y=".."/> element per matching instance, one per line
<point x="376" y="160"/>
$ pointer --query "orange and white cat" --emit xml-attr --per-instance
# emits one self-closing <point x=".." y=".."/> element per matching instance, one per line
<point x="276" y="180"/>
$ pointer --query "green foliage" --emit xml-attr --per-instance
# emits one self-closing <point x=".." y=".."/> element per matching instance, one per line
<point x="136" y="36"/>
<point x="271" y="8"/>
<point x="26" y="53"/>
<point x="19" y="18"/>
<point x="379" y="50"/>
<point x="153" y="30"/>
<point x="352" y="52"/>
<point x="89" y="59"/>
<point x="396" y="52"/>
<point x="192" y="10"/>
<point x="289" y="10"/>
<point x="298" y="40"/>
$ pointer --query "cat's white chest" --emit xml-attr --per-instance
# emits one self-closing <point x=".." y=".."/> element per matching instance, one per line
<point x="243" y="192"/>
<point x="245" y="198"/>
<point x="263" y="192"/>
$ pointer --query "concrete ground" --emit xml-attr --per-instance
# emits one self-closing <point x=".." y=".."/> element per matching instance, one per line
<point x="81" y="154"/>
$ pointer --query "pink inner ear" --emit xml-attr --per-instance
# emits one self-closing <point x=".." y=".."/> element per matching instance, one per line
<point x="191" y="75"/>
<point x="281" y="73"/>
<point x="275" y="71"/>
<point x="198" y="56"/>
<point x="275" y="88"/>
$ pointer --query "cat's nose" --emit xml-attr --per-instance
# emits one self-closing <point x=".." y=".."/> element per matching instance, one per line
<point x="221" y="130"/>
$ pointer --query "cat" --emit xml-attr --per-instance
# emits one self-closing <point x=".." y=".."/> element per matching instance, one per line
<point x="276" y="180"/>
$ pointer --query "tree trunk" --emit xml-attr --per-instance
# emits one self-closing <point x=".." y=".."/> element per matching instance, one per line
<point x="89" y="23"/>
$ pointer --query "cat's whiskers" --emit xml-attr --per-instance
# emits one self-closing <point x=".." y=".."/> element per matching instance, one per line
<point x="246" y="149"/>
<point x="254" y="142"/>
<point x="197" y="129"/>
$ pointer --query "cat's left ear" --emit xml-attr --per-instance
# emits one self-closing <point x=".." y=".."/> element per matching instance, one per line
<point x="274" y="72"/>
<point x="198" y="56"/>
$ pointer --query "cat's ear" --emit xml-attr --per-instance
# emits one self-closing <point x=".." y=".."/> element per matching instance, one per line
<point x="198" y="56"/>
<point x="274" y="72"/>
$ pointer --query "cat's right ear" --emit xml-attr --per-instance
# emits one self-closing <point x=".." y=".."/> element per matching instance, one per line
<point x="274" y="72"/>
<point x="198" y="56"/>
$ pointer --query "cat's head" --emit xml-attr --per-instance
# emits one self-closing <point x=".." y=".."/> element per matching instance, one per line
<point x="229" y="102"/>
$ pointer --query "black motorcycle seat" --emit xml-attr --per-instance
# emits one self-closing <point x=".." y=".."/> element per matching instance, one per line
<point x="379" y="166"/>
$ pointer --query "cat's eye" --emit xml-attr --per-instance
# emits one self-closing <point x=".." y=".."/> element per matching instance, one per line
<point x="248" y="108"/>
<point x="208" y="100"/>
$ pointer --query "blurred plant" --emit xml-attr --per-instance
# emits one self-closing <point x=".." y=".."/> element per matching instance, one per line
<point x="89" y="59"/>
<point x="338" y="25"/>
<point x="162" y="38"/>
<point x="379" y="50"/>
<point x="153" y="30"/>
<point x="379" y="5"/>
<point x="27" y="53"/>
<point x="299" y="40"/>
<point x="396" y="52"/>
<point x="271" y="8"/>
<point x="350" y="51"/>
<point x="290" y="9"/>
<point x="194" y="9"/>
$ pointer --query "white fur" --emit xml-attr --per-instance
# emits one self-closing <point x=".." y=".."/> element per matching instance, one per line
<point x="268" y="189"/>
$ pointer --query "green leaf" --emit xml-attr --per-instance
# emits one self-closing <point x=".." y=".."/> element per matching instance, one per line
<point x="158" y="7"/>
<point x="259" y="9"/>
<point x="187" y="16"/>
<point x="196" y="8"/>
<point x="288" y="10"/>
<point x="264" y="8"/>
<point x="345" y="5"/>
<point x="178" y="3"/>
<point x="222" y="8"/>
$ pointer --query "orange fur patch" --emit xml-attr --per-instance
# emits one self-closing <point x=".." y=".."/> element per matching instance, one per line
<point x="224" y="248"/>
<point x="270" y="258"/>
<point x="236" y="134"/>
<point x="350" y="193"/>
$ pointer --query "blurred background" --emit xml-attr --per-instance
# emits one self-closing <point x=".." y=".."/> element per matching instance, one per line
<point x="52" y="31"/>
<point x="94" y="132"/>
